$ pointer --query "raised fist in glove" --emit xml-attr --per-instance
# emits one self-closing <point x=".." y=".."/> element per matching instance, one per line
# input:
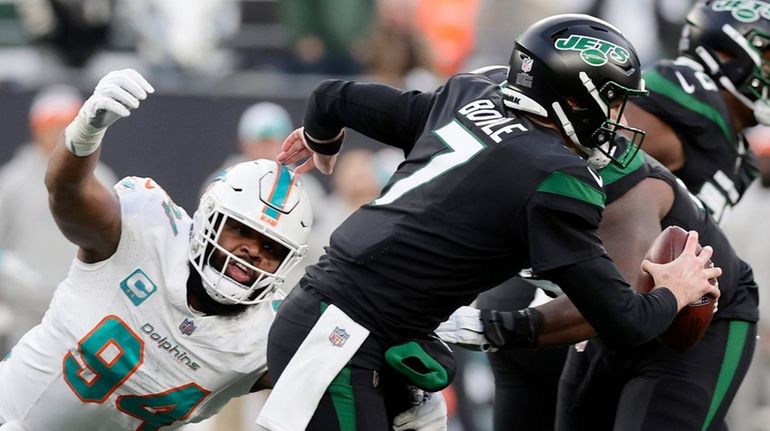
<point x="428" y="414"/>
<point x="116" y="94"/>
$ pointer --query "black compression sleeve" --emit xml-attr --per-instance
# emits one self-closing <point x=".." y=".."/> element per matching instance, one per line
<point x="387" y="114"/>
<point x="622" y="317"/>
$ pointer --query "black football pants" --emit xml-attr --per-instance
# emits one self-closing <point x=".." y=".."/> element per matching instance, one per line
<point x="652" y="388"/>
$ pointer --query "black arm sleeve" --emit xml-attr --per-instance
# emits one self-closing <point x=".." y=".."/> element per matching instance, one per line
<point x="623" y="318"/>
<point x="392" y="116"/>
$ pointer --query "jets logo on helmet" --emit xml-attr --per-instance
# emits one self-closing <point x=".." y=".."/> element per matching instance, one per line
<point x="593" y="51"/>
<point x="743" y="10"/>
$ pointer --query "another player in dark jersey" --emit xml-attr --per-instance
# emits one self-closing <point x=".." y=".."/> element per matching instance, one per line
<point x="493" y="182"/>
<point x="699" y="104"/>
<point x="652" y="387"/>
<point x="648" y="387"/>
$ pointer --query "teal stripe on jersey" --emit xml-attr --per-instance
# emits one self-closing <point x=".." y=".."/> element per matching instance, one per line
<point x="563" y="184"/>
<point x="659" y="84"/>
<point x="613" y="172"/>
<point x="341" y="392"/>
<point x="280" y="193"/>
<point x="736" y="338"/>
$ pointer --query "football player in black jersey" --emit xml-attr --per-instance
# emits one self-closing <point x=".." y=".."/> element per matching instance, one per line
<point x="495" y="180"/>
<point x="694" y="115"/>
<point x="699" y="104"/>
<point x="648" y="387"/>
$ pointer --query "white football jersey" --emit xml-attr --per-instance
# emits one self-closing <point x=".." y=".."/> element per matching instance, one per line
<point x="120" y="348"/>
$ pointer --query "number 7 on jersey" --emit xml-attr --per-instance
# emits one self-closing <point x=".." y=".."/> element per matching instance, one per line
<point x="463" y="146"/>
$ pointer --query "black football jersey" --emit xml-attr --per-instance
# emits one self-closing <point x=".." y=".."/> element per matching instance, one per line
<point x="482" y="194"/>
<point x="739" y="298"/>
<point x="719" y="165"/>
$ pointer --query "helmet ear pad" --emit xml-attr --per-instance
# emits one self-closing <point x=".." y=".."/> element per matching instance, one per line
<point x="587" y="121"/>
<point x="737" y="69"/>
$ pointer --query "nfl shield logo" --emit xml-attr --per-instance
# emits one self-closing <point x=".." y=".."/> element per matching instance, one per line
<point x="338" y="337"/>
<point x="526" y="64"/>
<point x="187" y="327"/>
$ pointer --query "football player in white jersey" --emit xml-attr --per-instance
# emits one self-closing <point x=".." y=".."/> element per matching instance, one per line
<point x="162" y="318"/>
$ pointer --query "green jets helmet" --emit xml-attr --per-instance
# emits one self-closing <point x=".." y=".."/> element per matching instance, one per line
<point x="729" y="38"/>
<point x="573" y="69"/>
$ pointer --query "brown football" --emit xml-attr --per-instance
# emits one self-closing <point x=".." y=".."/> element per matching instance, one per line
<point x="692" y="321"/>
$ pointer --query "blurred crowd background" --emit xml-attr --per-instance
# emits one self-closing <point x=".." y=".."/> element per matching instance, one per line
<point x="232" y="77"/>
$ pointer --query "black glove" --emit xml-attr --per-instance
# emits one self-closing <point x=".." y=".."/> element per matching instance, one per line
<point x="512" y="329"/>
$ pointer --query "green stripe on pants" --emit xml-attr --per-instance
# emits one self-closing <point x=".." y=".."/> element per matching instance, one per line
<point x="344" y="401"/>
<point x="736" y="339"/>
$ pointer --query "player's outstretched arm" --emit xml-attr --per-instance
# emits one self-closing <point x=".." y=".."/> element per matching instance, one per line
<point x="557" y="322"/>
<point x="629" y="226"/>
<point x="87" y="212"/>
<point x="386" y="114"/>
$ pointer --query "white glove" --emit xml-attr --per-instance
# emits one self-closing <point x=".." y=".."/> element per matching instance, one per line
<point x="114" y="96"/>
<point x="429" y="415"/>
<point x="464" y="328"/>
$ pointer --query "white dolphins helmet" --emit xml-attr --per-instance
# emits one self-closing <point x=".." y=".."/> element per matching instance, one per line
<point x="266" y="197"/>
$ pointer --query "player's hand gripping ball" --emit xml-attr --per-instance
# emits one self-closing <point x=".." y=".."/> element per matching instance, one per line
<point x="692" y="321"/>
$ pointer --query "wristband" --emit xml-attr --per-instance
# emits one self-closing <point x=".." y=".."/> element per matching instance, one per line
<point x="83" y="140"/>
<point x="327" y="148"/>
